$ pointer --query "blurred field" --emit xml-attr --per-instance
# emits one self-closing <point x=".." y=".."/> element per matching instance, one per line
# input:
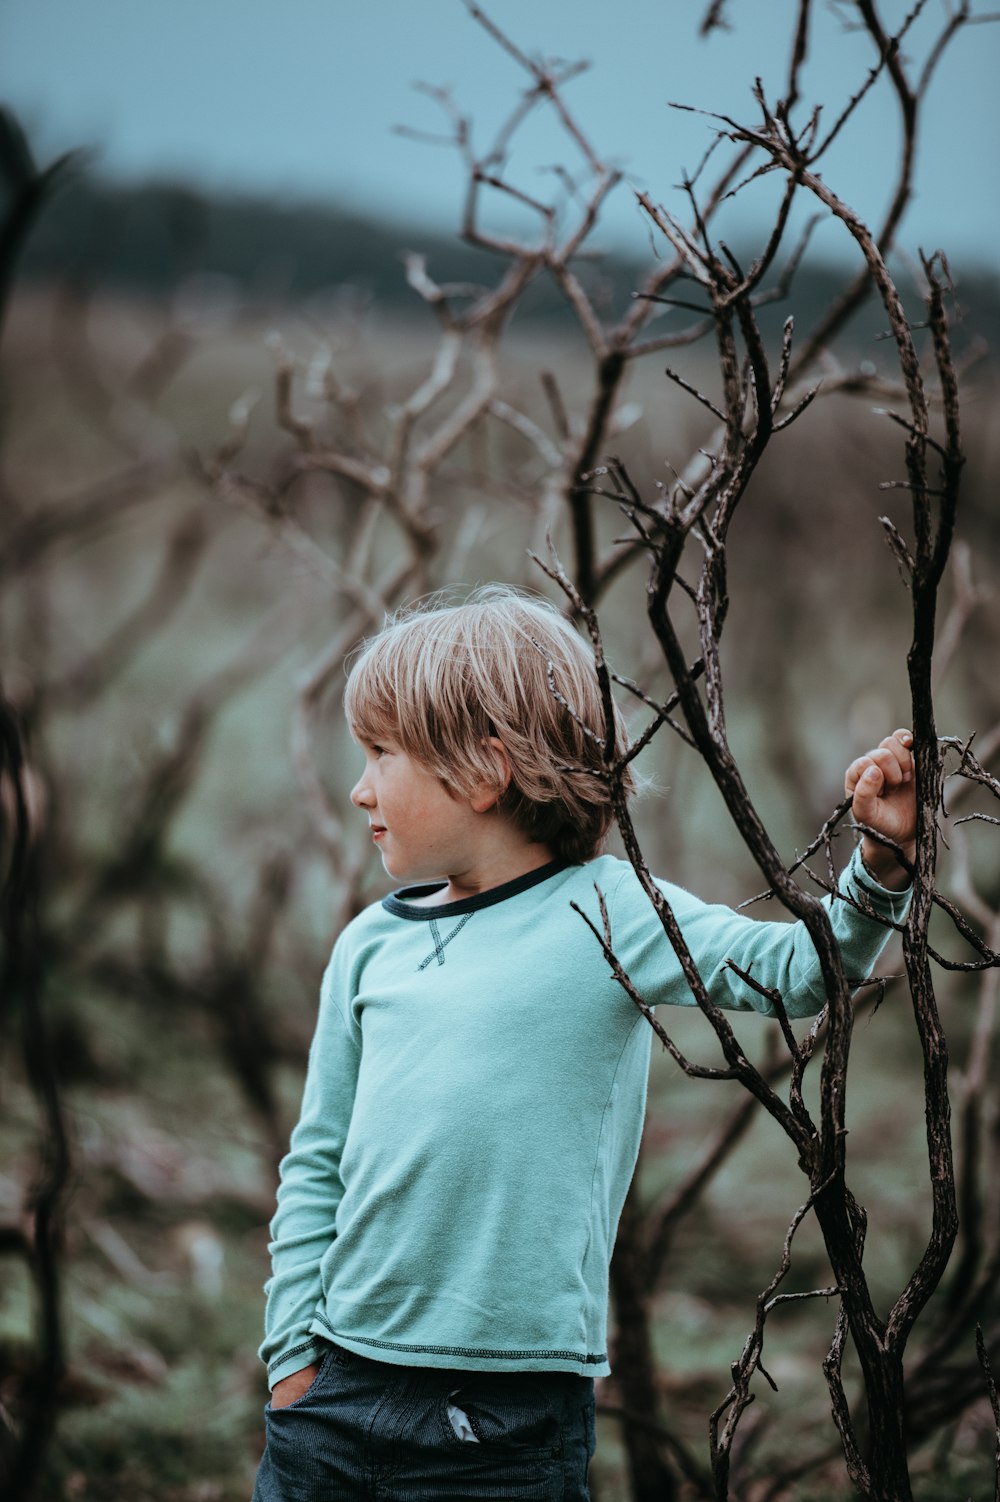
<point x="181" y="989"/>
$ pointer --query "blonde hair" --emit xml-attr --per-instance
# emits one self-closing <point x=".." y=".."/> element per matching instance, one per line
<point x="439" y="681"/>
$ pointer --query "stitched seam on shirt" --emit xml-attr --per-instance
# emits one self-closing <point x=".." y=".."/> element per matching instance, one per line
<point x="639" y="1019"/>
<point x="876" y="896"/>
<point x="437" y="953"/>
<point x="309" y="1345"/>
<point x="481" y="1353"/>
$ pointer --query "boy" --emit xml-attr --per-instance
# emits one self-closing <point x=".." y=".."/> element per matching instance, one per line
<point x="473" y="1106"/>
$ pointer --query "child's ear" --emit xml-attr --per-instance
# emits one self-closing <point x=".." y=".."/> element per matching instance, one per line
<point x="489" y="794"/>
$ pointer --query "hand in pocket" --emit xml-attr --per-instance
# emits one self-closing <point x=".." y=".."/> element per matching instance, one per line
<point x="290" y="1389"/>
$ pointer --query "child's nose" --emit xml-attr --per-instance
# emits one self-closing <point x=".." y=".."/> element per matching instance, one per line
<point x="361" y="795"/>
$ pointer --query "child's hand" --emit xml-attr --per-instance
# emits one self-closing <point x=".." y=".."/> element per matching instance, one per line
<point x="290" y="1389"/>
<point x="881" y="784"/>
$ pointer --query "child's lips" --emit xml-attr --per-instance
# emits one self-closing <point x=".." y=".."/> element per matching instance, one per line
<point x="378" y="830"/>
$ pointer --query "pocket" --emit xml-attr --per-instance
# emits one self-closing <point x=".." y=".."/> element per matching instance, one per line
<point x="325" y="1361"/>
<point x="506" y="1413"/>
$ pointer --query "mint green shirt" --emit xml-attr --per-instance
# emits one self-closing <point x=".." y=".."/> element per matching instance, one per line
<point x="473" y="1108"/>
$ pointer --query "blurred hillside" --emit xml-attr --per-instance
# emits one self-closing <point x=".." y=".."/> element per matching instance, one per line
<point x="253" y="253"/>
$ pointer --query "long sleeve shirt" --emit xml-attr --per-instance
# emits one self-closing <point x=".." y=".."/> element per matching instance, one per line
<point x="473" y="1108"/>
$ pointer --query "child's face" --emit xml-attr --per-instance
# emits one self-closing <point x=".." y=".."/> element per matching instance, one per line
<point x="422" y="831"/>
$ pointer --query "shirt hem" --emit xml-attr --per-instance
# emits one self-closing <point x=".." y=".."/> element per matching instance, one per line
<point x="466" y="1358"/>
<point x="889" y="902"/>
<point x="288" y="1362"/>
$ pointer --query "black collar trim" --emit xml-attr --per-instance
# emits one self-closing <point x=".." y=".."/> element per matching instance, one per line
<point x="401" y="903"/>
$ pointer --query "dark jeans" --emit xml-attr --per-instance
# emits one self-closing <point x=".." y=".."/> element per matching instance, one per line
<point x="366" y="1430"/>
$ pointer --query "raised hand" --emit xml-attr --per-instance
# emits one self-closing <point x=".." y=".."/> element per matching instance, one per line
<point x="881" y="784"/>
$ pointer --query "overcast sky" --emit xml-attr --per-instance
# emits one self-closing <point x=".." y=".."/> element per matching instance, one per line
<point x="298" y="98"/>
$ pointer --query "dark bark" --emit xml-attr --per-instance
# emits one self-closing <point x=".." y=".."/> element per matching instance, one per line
<point x="651" y="1477"/>
<point x="23" y="1016"/>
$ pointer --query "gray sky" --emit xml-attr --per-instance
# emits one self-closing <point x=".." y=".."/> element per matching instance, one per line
<point x="297" y="98"/>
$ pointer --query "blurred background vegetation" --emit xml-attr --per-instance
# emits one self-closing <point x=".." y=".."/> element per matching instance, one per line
<point x="175" y="579"/>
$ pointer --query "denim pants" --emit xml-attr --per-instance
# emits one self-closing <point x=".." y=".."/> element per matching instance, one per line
<point x="366" y="1430"/>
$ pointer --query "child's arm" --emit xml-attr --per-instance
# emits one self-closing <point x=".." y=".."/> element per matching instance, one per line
<point x="884" y="796"/>
<point x="780" y="956"/>
<point x="304" y="1226"/>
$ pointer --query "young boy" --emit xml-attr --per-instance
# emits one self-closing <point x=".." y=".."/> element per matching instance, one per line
<point x="474" y="1101"/>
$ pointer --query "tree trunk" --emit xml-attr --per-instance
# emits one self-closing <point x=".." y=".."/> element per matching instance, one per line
<point x="650" y="1476"/>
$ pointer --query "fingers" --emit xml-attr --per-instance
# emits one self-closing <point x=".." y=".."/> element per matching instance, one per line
<point x="881" y="786"/>
<point x="888" y="765"/>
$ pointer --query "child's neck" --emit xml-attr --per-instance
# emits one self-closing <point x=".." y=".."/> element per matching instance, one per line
<point x="495" y="870"/>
